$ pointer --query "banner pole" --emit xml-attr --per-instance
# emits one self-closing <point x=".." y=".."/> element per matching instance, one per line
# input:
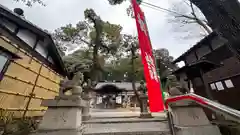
<point x="154" y="56"/>
<point x="148" y="58"/>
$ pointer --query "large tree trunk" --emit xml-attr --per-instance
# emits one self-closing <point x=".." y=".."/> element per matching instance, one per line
<point x="96" y="64"/>
<point x="95" y="70"/>
<point x="133" y="81"/>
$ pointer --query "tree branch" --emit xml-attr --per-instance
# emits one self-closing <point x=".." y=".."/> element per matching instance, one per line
<point x="185" y="16"/>
<point x="199" y="21"/>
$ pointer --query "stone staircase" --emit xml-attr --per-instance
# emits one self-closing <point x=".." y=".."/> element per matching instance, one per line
<point x="126" y="126"/>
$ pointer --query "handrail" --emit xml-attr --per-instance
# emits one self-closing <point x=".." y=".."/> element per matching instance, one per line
<point x="212" y="105"/>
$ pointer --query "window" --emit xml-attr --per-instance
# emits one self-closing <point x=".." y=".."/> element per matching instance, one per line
<point x="229" y="84"/>
<point x="204" y="50"/>
<point x="219" y="85"/>
<point x="27" y="36"/>
<point x="213" y="86"/>
<point x="4" y="62"/>
<point x="41" y="49"/>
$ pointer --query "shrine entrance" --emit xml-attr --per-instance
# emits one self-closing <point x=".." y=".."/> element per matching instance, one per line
<point x="111" y="95"/>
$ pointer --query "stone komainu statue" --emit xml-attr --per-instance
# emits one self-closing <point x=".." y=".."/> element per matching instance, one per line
<point x="66" y="85"/>
<point x="177" y="91"/>
<point x="142" y="88"/>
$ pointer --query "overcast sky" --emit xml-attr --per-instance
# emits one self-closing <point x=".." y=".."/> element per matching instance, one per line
<point x="57" y="13"/>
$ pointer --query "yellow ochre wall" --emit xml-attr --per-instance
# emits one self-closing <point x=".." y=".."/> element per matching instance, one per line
<point x="23" y="77"/>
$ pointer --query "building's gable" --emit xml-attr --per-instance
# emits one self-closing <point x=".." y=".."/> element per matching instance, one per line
<point x="203" y="49"/>
<point x="31" y="38"/>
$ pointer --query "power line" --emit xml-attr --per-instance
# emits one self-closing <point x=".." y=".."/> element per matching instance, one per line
<point x="161" y="8"/>
<point x="149" y="5"/>
<point x="154" y="8"/>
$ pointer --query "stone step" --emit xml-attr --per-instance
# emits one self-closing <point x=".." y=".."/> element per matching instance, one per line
<point x="123" y="120"/>
<point x="137" y="128"/>
<point x="97" y="115"/>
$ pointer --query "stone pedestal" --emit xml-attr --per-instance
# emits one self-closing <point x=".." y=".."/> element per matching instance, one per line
<point x="86" y="110"/>
<point x="145" y="113"/>
<point x="63" y="116"/>
<point x="189" y="118"/>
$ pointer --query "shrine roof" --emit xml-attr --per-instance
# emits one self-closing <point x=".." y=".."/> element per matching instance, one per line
<point x="121" y="85"/>
<point x="197" y="45"/>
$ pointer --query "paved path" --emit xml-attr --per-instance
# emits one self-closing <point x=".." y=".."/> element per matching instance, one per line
<point x="124" y="122"/>
<point x="120" y="113"/>
<point x="150" y="128"/>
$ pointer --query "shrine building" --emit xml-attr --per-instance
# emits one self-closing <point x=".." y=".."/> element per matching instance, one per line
<point x="212" y="70"/>
<point x="116" y="90"/>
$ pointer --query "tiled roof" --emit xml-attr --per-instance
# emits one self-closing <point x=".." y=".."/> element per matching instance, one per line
<point x="197" y="45"/>
<point x="120" y="85"/>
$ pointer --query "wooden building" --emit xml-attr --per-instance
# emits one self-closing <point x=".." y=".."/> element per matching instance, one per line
<point x="31" y="67"/>
<point x="113" y="90"/>
<point x="213" y="70"/>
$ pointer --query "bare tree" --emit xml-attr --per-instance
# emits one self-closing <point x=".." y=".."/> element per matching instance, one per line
<point x="186" y="17"/>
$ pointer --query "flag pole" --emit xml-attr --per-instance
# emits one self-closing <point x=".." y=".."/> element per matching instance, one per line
<point x="145" y="41"/>
<point x="158" y="71"/>
<point x="155" y="61"/>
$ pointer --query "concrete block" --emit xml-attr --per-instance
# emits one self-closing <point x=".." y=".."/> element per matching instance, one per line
<point x="64" y="103"/>
<point x="189" y="116"/>
<point x="61" y="118"/>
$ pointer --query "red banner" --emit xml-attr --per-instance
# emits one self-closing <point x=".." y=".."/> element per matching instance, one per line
<point x="151" y="76"/>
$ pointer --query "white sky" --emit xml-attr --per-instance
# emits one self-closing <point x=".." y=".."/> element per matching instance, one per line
<point x="58" y="13"/>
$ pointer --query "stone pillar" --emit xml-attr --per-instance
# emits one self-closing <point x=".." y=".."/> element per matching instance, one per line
<point x="86" y="110"/>
<point x="145" y="113"/>
<point x="189" y="118"/>
<point x="63" y="116"/>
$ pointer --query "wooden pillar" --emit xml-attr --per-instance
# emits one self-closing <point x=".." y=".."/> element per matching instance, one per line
<point x="208" y="92"/>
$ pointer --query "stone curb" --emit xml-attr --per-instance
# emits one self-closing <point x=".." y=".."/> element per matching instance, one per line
<point x="132" y="133"/>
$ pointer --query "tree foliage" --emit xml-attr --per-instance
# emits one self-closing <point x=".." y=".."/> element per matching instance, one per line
<point x="164" y="62"/>
<point x="115" y="2"/>
<point x="165" y="68"/>
<point x="120" y="66"/>
<point x="104" y="51"/>
<point x="31" y="2"/>
<point x="81" y="57"/>
<point x="99" y="37"/>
